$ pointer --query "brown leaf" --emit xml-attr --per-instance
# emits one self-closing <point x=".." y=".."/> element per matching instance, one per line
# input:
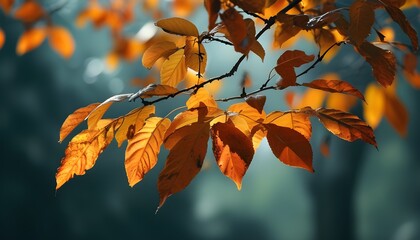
<point x="195" y="55"/>
<point x="285" y="30"/>
<point x="143" y="149"/>
<point x="61" y="41"/>
<point x="212" y="8"/>
<point x="30" y="39"/>
<point x="83" y="150"/>
<point x="382" y="61"/>
<point x="398" y="16"/>
<point x="174" y="69"/>
<point x="156" y="51"/>
<point x="396" y="113"/>
<point x="233" y="151"/>
<point x="410" y="70"/>
<point x="178" y="26"/>
<point x="289" y="146"/>
<point x="286" y="64"/>
<point x="256" y="102"/>
<point x="74" y="119"/>
<point x="238" y="31"/>
<point x="346" y="125"/>
<point x="255" y="6"/>
<point x="362" y="17"/>
<point x="133" y="122"/>
<point x="188" y="147"/>
<point x="29" y="12"/>
<point x="335" y="86"/>
<point x="295" y="120"/>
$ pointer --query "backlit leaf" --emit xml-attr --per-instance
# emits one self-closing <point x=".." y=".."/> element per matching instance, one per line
<point x="195" y="55"/>
<point x="153" y="90"/>
<point x="178" y="26"/>
<point x="61" y="41"/>
<point x="142" y="150"/>
<point x="341" y="102"/>
<point x="188" y="147"/>
<point x="156" y="51"/>
<point x="374" y="108"/>
<point x="132" y="123"/>
<point x="295" y="120"/>
<point x="286" y="66"/>
<point x="74" y="119"/>
<point x="285" y="30"/>
<point x="30" y="39"/>
<point x="398" y="16"/>
<point x="362" y="17"/>
<point x="346" y="125"/>
<point x="201" y="96"/>
<point x="237" y="28"/>
<point x="173" y="70"/>
<point x="311" y="98"/>
<point x="212" y="8"/>
<point x="382" y="61"/>
<point x="289" y="146"/>
<point x="258" y="49"/>
<point x="233" y="151"/>
<point x="335" y="86"/>
<point x="94" y="116"/>
<point x="396" y="113"/>
<point x="82" y="152"/>
<point x="29" y="12"/>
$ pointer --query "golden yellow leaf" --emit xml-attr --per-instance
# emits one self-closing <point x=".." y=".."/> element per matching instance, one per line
<point x="83" y="151"/>
<point x="195" y="55"/>
<point x="188" y="147"/>
<point x="201" y="96"/>
<point x="184" y="7"/>
<point x="311" y="98"/>
<point x="132" y="123"/>
<point x="153" y="90"/>
<point x="289" y="146"/>
<point x="174" y="69"/>
<point x="374" y="107"/>
<point x="250" y="114"/>
<point x="30" y="39"/>
<point x="142" y="150"/>
<point x="94" y="116"/>
<point x="29" y="12"/>
<point x="156" y="51"/>
<point x="341" y="102"/>
<point x="295" y="120"/>
<point x="74" y="119"/>
<point x="178" y="26"/>
<point x="233" y="151"/>
<point x="61" y="41"/>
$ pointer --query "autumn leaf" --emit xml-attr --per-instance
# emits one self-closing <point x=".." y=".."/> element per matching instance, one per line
<point x="335" y="86"/>
<point x="212" y="8"/>
<point x="74" y="119"/>
<point x="295" y="120"/>
<point x="237" y="28"/>
<point x="285" y="29"/>
<point x="94" y="116"/>
<point x="2" y="38"/>
<point x="374" y="108"/>
<point x="61" y="41"/>
<point x="195" y="55"/>
<point x="256" y="6"/>
<point x="30" y="39"/>
<point x="188" y="147"/>
<point x="256" y="102"/>
<point x="410" y="70"/>
<point x="202" y="96"/>
<point x="178" y="26"/>
<point x="396" y="113"/>
<point x="362" y="17"/>
<point x="132" y="123"/>
<point x="142" y="151"/>
<point x="382" y="61"/>
<point x="156" y="51"/>
<point x="233" y="151"/>
<point x="341" y="102"/>
<point x="153" y="90"/>
<point x="83" y="150"/>
<point x="346" y="125"/>
<point x="311" y="98"/>
<point x="174" y="69"/>
<point x="286" y="64"/>
<point x="29" y="12"/>
<point x="289" y="146"/>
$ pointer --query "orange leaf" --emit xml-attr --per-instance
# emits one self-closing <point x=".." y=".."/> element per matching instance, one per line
<point x="94" y="116"/>
<point x="346" y="125"/>
<point x="341" y="102"/>
<point x="256" y="102"/>
<point x="233" y="151"/>
<point x="184" y="7"/>
<point x="362" y="17"/>
<point x="7" y="5"/>
<point x="74" y="119"/>
<point x="156" y="90"/>
<point x="212" y="8"/>
<point x="2" y="38"/>
<point x="188" y="147"/>
<point x="295" y="120"/>
<point x="382" y="61"/>
<point x="174" y="69"/>
<point x="285" y="30"/>
<point x="178" y="26"/>
<point x="335" y="86"/>
<point x="396" y="113"/>
<point x="61" y="41"/>
<point x="289" y="146"/>
<point x="237" y="29"/>
<point x="375" y="105"/>
<point x="398" y="16"/>
<point x="201" y="97"/>
<point x="195" y="55"/>
<point x="83" y="151"/>
<point x="30" y="39"/>
<point x="311" y="98"/>
<point x="255" y="6"/>
<point x="132" y="123"/>
<point x="286" y="64"/>
<point x="258" y="49"/>
<point x="142" y="150"/>
<point x="156" y="51"/>
<point x="29" y="12"/>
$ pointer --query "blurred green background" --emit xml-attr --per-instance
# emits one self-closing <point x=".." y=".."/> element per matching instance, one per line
<point x="356" y="193"/>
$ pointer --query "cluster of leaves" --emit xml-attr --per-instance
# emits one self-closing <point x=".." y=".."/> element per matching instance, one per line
<point x="237" y="131"/>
